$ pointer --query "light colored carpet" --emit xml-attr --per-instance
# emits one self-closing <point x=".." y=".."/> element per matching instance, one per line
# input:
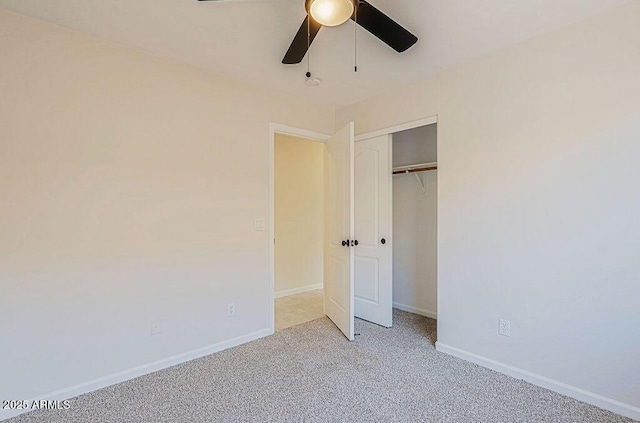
<point x="311" y="373"/>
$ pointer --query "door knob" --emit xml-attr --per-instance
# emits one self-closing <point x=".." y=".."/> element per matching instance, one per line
<point x="383" y="241"/>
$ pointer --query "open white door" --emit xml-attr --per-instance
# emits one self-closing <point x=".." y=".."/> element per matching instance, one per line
<point x="338" y="259"/>
<point x="373" y="226"/>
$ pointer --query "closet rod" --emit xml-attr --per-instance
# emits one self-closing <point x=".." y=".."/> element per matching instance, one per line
<point x="415" y="169"/>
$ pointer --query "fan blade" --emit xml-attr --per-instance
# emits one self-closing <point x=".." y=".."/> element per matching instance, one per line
<point x="298" y="47"/>
<point x="384" y="27"/>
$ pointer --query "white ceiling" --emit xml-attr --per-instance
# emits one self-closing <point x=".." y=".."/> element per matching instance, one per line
<point x="246" y="40"/>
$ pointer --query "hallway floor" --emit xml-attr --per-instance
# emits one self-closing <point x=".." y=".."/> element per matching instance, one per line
<point x="300" y="308"/>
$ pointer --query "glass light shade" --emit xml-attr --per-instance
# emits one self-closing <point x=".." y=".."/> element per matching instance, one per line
<point x="331" y="12"/>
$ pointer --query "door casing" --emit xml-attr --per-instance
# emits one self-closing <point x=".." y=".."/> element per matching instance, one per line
<point x="276" y="128"/>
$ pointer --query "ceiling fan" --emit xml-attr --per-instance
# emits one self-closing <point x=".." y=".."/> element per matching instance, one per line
<point x="336" y="12"/>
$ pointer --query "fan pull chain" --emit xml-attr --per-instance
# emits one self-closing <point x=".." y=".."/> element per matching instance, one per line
<point x="355" y="39"/>
<point x="308" y="45"/>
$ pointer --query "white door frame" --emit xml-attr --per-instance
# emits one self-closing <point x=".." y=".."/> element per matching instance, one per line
<point x="276" y="128"/>
<point x="430" y="120"/>
<point x="398" y="128"/>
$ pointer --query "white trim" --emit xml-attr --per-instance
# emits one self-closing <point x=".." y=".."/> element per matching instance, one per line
<point x="294" y="291"/>
<point x="610" y="404"/>
<point x="416" y="310"/>
<point x="277" y="128"/>
<point x="398" y="128"/>
<point x="352" y="229"/>
<point x="112" y="379"/>
<point x="298" y="132"/>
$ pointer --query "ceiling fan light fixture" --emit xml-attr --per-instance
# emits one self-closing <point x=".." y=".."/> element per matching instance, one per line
<point x="331" y="12"/>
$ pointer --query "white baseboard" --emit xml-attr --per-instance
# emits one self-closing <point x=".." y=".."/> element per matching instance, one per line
<point x="103" y="382"/>
<point x="610" y="404"/>
<point x="416" y="310"/>
<point x="300" y="290"/>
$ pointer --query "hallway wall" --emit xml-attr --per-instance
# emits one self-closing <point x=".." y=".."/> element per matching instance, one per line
<point x="299" y="214"/>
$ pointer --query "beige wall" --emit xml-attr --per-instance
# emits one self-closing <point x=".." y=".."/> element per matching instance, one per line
<point x="538" y="204"/>
<point x="299" y="211"/>
<point x="129" y="188"/>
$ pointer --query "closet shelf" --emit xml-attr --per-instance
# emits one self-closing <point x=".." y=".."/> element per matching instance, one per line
<point x="421" y="167"/>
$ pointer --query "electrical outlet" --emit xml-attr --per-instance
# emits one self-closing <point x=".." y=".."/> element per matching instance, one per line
<point x="231" y="310"/>
<point x="156" y="327"/>
<point x="505" y="327"/>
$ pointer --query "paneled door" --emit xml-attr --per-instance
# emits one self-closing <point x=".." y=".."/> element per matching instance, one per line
<point x="373" y="227"/>
<point x="339" y="216"/>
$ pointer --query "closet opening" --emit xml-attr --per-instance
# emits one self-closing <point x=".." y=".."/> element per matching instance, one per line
<point x="396" y="191"/>
<point x="415" y="220"/>
<point x="298" y="255"/>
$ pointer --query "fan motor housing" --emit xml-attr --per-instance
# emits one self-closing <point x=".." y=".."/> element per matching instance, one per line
<point x="307" y="4"/>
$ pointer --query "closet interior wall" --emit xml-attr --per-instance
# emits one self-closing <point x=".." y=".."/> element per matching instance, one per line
<point x="415" y="223"/>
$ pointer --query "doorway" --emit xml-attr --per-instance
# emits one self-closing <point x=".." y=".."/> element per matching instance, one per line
<point x="338" y="215"/>
<point x="299" y="226"/>
<point x="296" y="285"/>
<point x="415" y="220"/>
